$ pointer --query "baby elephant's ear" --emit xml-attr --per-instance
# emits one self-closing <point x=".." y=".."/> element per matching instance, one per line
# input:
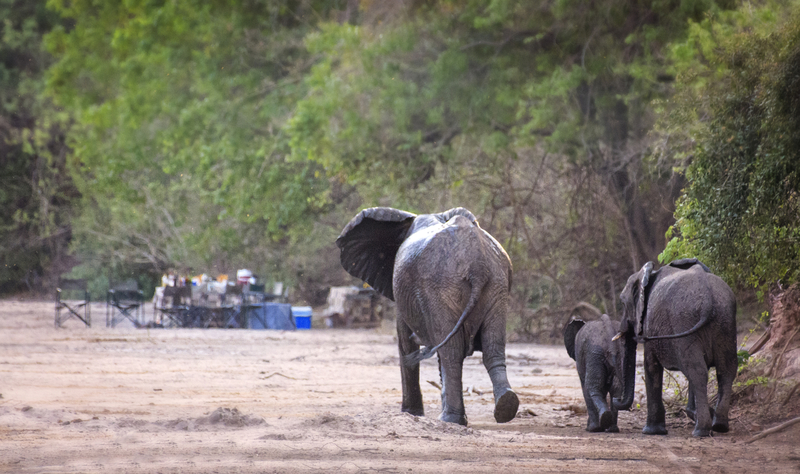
<point x="570" y="331"/>
<point x="456" y="211"/>
<point x="369" y="244"/>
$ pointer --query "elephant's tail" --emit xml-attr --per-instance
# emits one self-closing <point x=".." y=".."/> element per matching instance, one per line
<point x="703" y="320"/>
<point x="428" y="352"/>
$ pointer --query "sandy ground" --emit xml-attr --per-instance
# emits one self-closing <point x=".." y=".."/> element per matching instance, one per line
<point x="130" y="400"/>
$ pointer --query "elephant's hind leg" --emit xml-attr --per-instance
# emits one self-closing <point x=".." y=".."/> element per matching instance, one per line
<point x="506" y="402"/>
<point x="412" y="394"/>
<point x="597" y="414"/>
<point x="594" y="393"/>
<point x="726" y="372"/>
<point x="698" y="385"/>
<point x="451" y="363"/>
<point x="690" y="408"/>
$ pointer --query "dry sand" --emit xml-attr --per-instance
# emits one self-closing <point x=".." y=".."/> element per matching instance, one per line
<point x="130" y="400"/>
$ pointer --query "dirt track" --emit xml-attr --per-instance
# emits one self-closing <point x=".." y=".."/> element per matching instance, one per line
<point x="192" y="400"/>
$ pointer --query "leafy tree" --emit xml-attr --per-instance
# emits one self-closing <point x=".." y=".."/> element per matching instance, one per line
<point x="534" y="114"/>
<point x="36" y="192"/>
<point x="213" y="135"/>
<point x="740" y="211"/>
<point x="179" y="137"/>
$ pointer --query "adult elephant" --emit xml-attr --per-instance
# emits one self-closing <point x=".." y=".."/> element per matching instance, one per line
<point x="450" y="280"/>
<point x="686" y="317"/>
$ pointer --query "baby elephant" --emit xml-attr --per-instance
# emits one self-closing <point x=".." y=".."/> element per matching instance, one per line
<point x="599" y="360"/>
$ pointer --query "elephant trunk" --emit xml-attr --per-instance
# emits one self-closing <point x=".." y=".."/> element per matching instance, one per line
<point x="628" y="373"/>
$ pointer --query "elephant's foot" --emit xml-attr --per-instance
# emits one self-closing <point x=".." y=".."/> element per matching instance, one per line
<point x="701" y="432"/>
<point x="600" y="427"/>
<point x="505" y="408"/>
<point x="655" y="429"/>
<point x="416" y="411"/>
<point x="593" y="426"/>
<point x="606" y="419"/>
<point x="458" y="418"/>
<point x="720" y="425"/>
<point x="594" y="429"/>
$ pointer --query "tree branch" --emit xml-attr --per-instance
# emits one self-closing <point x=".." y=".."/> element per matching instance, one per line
<point x="774" y="430"/>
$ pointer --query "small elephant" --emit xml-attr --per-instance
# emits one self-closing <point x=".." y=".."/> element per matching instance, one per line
<point x="450" y="280"/>
<point x="686" y="317"/>
<point x="599" y="362"/>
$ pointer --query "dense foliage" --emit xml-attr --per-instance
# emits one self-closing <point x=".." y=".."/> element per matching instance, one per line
<point x="535" y="116"/>
<point x="36" y="192"/>
<point x="208" y="136"/>
<point x="742" y="210"/>
<point x="180" y="110"/>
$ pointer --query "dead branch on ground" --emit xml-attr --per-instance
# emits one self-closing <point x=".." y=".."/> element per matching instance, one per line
<point x="776" y="429"/>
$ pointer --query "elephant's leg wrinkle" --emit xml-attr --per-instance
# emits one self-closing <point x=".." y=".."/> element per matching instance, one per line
<point x="494" y="359"/>
<point x="498" y="375"/>
<point x="653" y="381"/>
<point x="412" y="394"/>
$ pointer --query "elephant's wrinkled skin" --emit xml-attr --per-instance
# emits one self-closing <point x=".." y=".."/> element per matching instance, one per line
<point x="450" y="280"/>
<point x="686" y="317"/>
<point x="598" y="360"/>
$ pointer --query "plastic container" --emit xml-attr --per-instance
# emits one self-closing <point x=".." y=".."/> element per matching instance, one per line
<point x="302" y="316"/>
<point x="243" y="276"/>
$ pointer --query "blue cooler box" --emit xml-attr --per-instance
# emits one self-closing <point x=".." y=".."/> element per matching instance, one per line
<point x="302" y="316"/>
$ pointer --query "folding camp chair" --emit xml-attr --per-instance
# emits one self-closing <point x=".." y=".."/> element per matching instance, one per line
<point x="253" y="294"/>
<point x="233" y="295"/>
<point x="124" y="304"/>
<point x="76" y="288"/>
<point x="175" y="306"/>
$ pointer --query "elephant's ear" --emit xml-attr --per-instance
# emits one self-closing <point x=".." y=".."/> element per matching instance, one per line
<point x="456" y="211"/>
<point x="687" y="263"/>
<point x="641" y="299"/>
<point x="369" y="244"/>
<point x="570" y="331"/>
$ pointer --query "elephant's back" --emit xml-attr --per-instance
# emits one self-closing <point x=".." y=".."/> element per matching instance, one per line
<point x="437" y="266"/>
<point x="682" y="298"/>
<point x="695" y="288"/>
<point x="594" y="339"/>
<point x="453" y="248"/>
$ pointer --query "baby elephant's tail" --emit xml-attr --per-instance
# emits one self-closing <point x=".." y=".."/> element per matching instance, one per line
<point x="428" y="352"/>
